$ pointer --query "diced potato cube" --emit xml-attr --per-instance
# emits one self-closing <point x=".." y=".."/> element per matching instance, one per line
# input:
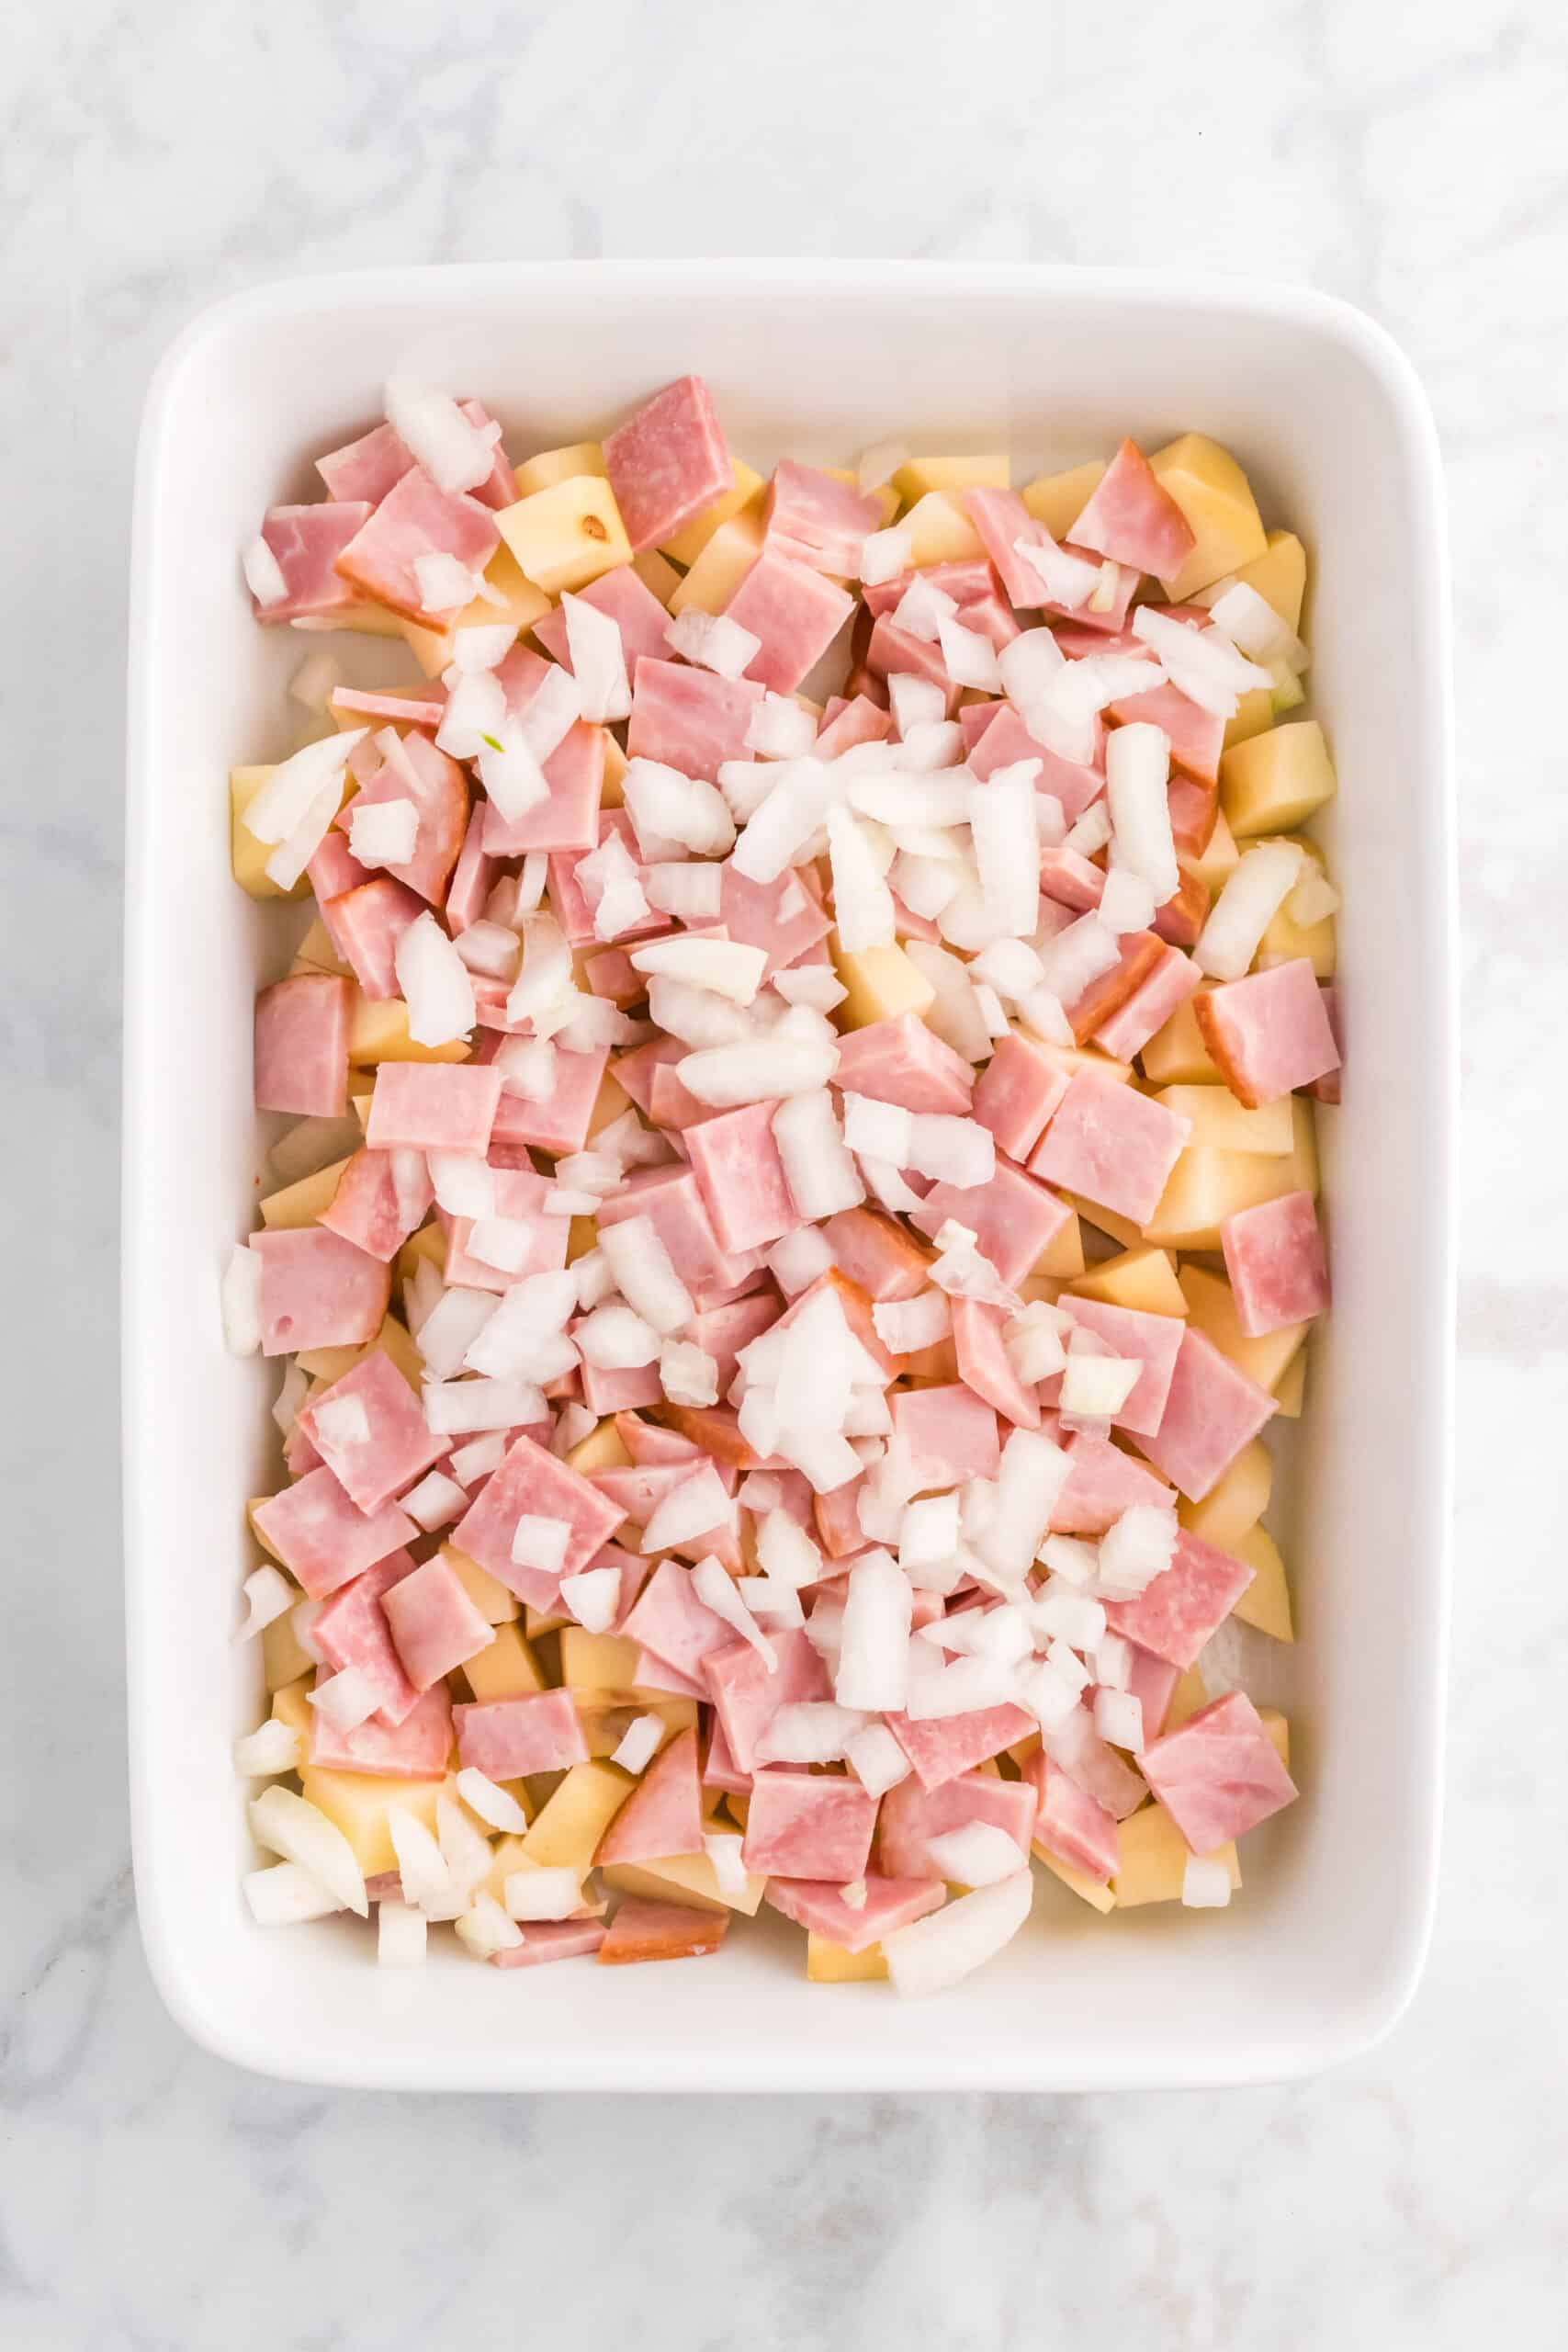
<point x="1088" y="1890"/>
<point x="689" y="542"/>
<point x="1104" y="1220"/>
<point x="248" y="857"/>
<point x="507" y="1669"/>
<point x="881" y="983"/>
<point x="429" y="1242"/>
<point x="489" y="1595"/>
<point x="1219" y="861"/>
<point x="1279" y="576"/>
<point x="1226" y="1125"/>
<point x="1187" y="1700"/>
<point x="918" y="476"/>
<point x="939" y="531"/>
<point x="522" y="604"/>
<point x="1235" y="1503"/>
<point x="1177" y="1055"/>
<point x="1277" y="1728"/>
<point x="1274" y="782"/>
<point x="606" y="1716"/>
<point x="1154" y="1857"/>
<point x="282" y="1660"/>
<point x="550" y="466"/>
<point x="1057" y="499"/>
<point x="600" y="1450"/>
<point x="1254" y="712"/>
<point x="1208" y="1186"/>
<point x="378" y="1032"/>
<point x="359" y="1804"/>
<point x="1144" y="1280"/>
<point x="683" y="1878"/>
<point x="327" y="1364"/>
<point x="582" y="1808"/>
<point x="1211" y="1307"/>
<point x="1062" y="1258"/>
<point x="1216" y="498"/>
<point x="597" y="1662"/>
<point x="1265" y="1603"/>
<point x="301" y="1203"/>
<point x="722" y="565"/>
<point x="827" y="1963"/>
<point x="1286" y="939"/>
<point x="610" y="793"/>
<point x="316" y="953"/>
<point x="565" y="535"/>
<point x="658" y="574"/>
<point x="1289" y="1389"/>
<point x="1072" y="1058"/>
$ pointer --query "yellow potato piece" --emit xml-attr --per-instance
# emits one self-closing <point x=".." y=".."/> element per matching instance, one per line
<point x="689" y="542"/>
<point x="1235" y="1504"/>
<point x="1216" y="498"/>
<point x="291" y="1705"/>
<point x="565" y="535"/>
<point x="1254" y="712"/>
<point x="1177" y="1055"/>
<point x="607" y="1716"/>
<point x="577" y="1814"/>
<point x="301" y="1203"/>
<point x="522" y="604"/>
<point x="359" y="1804"/>
<point x="1057" y="499"/>
<point x="1062" y="1258"/>
<point x="881" y="983"/>
<point x="1207" y="1186"/>
<point x="1275" y="782"/>
<point x="551" y="466"/>
<point x="508" y="1669"/>
<point x="1104" y="1220"/>
<point x="1220" y="860"/>
<point x="1154" y="1857"/>
<point x="1142" y="1279"/>
<point x="1189" y="1699"/>
<point x="600" y="1450"/>
<point x="316" y="953"/>
<point x="722" y="565"/>
<point x="429" y="1242"/>
<point x="1088" y="1890"/>
<point x="378" y="1032"/>
<point x="1279" y="1730"/>
<point x="327" y="1364"/>
<point x="1265" y="1603"/>
<point x="1072" y="1058"/>
<point x="1290" y="1387"/>
<point x="283" y="1661"/>
<point x="1221" y="1122"/>
<point x="247" y="856"/>
<point x="828" y="1963"/>
<point x="658" y="574"/>
<point x="489" y="1595"/>
<point x="1211" y="1307"/>
<point x="939" y="531"/>
<point x="684" y="1878"/>
<point x="597" y="1661"/>
<point x="611" y="794"/>
<point x="1286" y="939"/>
<point x="918" y="477"/>
<point x="1279" y="576"/>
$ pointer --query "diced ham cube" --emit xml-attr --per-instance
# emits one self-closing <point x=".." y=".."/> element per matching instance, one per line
<point x="1268" y="1033"/>
<point x="369" y="1430"/>
<point x="1110" y="1144"/>
<point x="331" y="870"/>
<point x="1006" y="740"/>
<point x="377" y="1207"/>
<point x="620" y="1390"/>
<point x="568" y="897"/>
<point x="307" y="542"/>
<point x="505" y="1738"/>
<point x="667" y="462"/>
<point x="984" y="1365"/>
<point x="1275" y="1257"/>
<point x="318" y="1291"/>
<point x="1151" y="1340"/>
<point x="951" y="1434"/>
<point x="1171" y="979"/>
<point x="433" y="1106"/>
<point x="569" y="819"/>
<point x="1018" y="1090"/>
<point x="1196" y="737"/>
<point x="560" y="1122"/>
<point x="366" y="924"/>
<point x="1152" y="1681"/>
<point x="722" y="1331"/>
<point x="1014" y="1219"/>
<point x="435" y="1625"/>
<point x="691" y="720"/>
<point x="322" y="1539"/>
<point x="301" y="1047"/>
<point x="352" y="1632"/>
<point x="1326" y="1088"/>
<point x="912" y="1815"/>
<point x="846" y="723"/>
<point x="754" y="913"/>
<point x="1071" y="1825"/>
<point x="439" y="790"/>
<point x="1134" y="519"/>
<point x="623" y="597"/>
<point x="1001" y="518"/>
<point x="821" y="521"/>
<point x="741" y="1177"/>
<point x="719" y="1768"/>
<point x="809" y="1824"/>
<point x="1175" y="1614"/>
<point x="747" y="1697"/>
<point x="419" y="1749"/>
<point x="818" y="1905"/>
<point x="663" y="1815"/>
<point x="1194" y="812"/>
<point x="967" y="581"/>
<point x="1138" y="955"/>
<point x="1219" y="1774"/>
<point x="797" y="613"/>
<point x="473" y="877"/>
<point x="903" y="1061"/>
<point x="668" y="1619"/>
<point x="530" y="1480"/>
<point x="874" y="1251"/>
<point x="1212" y="1410"/>
<point x="414" y="519"/>
<point x="893" y="652"/>
<point x="1182" y="918"/>
<point x="940" y="1750"/>
<point x="547" y="1939"/>
<point x="519" y="1200"/>
<point x="1102" y="1483"/>
<point x="643" y="1929"/>
<point x="672" y="1201"/>
<point x="371" y="466"/>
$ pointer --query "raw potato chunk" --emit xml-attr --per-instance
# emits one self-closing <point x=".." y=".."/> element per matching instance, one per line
<point x="1177" y="1055"/>
<point x="301" y="1203"/>
<point x="1265" y="1603"/>
<point x="359" y="1804"/>
<point x="1089" y="1890"/>
<point x="684" y="1878"/>
<point x="1216" y="498"/>
<point x="1220" y="859"/>
<point x="489" y="1595"/>
<point x="565" y="535"/>
<point x="1286" y="939"/>
<point x="1222" y="1123"/>
<point x="1154" y="1855"/>
<point x="508" y="1669"/>
<point x="597" y="1661"/>
<point x="1057" y="499"/>
<point x="585" y="1801"/>
<point x="939" y="531"/>
<point x="880" y="982"/>
<point x="524" y="604"/>
<point x="600" y="1450"/>
<point x="543" y="472"/>
<point x="248" y="857"/>
<point x="919" y="476"/>
<point x="1274" y="782"/>
<point x="1211" y="1307"/>
<point x="1254" y="712"/>
<point x="689" y="542"/>
<point x="1143" y="1279"/>
<point x="1062" y="1258"/>
<point x="378" y="1032"/>
<point x="1233" y="1508"/>
<point x="1207" y="1186"/>
<point x="723" y="564"/>
<point x="283" y="1661"/>
<point x="828" y="1963"/>
<point x="1279" y="576"/>
<point x="1290" y="1387"/>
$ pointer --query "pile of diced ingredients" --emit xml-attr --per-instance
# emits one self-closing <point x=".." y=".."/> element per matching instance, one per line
<point x="801" y="1198"/>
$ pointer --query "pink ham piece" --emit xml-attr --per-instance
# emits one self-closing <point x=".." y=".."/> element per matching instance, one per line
<point x="415" y="519"/>
<point x="642" y="1930"/>
<point x="381" y="1198"/>
<point x="943" y="1748"/>
<point x="809" y="1824"/>
<point x="1219" y="1775"/>
<point x="322" y="1539"/>
<point x="1138" y="954"/>
<point x="1097" y="1767"/>
<point x="1070" y="1824"/>
<point x="1132" y="518"/>
<point x="433" y="1106"/>
<point x="1275" y="1257"/>
<point x="1006" y="740"/>
<point x="1178" y="1613"/>
<point x="547" y="1939"/>
<point x="352" y="1632"/>
<point x="569" y="819"/>
<point x="396" y="1446"/>
<point x="332" y="870"/>
<point x="783" y="917"/>
<point x="307" y="542"/>
<point x="506" y="1738"/>
<point x="844" y="724"/>
<point x="719" y="1768"/>
<point x="435" y="1626"/>
<point x="741" y="1177"/>
<point x="301" y="1047"/>
<point x="690" y="720"/>
<point x="667" y="462"/>
<point x="1194" y="812"/>
<point x="318" y="1291"/>
<point x="637" y="1493"/>
<point x="663" y="1815"/>
<point x="1268" y="1033"/>
<point x="983" y="1366"/>
<point x="893" y="652"/>
<point x="951" y="1434"/>
<point x="1152" y="1681"/>
<point x="371" y="466"/>
<point x="1111" y="1144"/>
<point x="1182" y="918"/>
<point x="1152" y="1340"/>
<point x="796" y="611"/>
<point x="876" y="1253"/>
<point x="672" y="1105"/>
<point x="622" y="596"/>
<point x="530" y="1480"/>
<point x="1071" y="880"/>
<point x="652" y="1674"/>
<point x="1102" y="1483"/>
<point x="821" y="521"/>
<point x="618" y="1391"/>
<point x="473" y="877"/>
<point x="439" y="790"/>
<point x="723" y="1331"/>
<point x="1017" y="1089"/>
<point x="968" y="582"/>
<point x="1172" y="978"/>
<point x="520" y="1200"/>
<point x="903" y="1061"/>
<point x="912" y="1816"/>
<point x="1211" y="1411"/>
<point x="366" y="924"/>
<point x="1001" y="518"/>
<point x="1196" y="736"/>
<point x="672" y="1201"/>
<point x="818" y="1905"/>
<point x="407" y="710"/>
<point x="836" y="1517"/>
<point x="570" y="900"/>
<point x="746" y="1697"/>
<point x="419" y="1749"/>
<point x="560" y="1122"/>
<point x="1326" y="1088"/>
<point x="1014" y="1218"/>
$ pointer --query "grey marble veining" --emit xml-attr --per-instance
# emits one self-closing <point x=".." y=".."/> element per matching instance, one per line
<point x="153" y="159"/>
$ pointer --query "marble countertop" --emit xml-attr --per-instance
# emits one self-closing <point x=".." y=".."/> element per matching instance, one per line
<point x="1409" y="159"/>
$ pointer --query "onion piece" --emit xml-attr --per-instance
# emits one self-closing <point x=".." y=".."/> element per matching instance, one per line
<point x="667" y="807"/>
<point x="724" y="1077"/>
<point x="694" y="1507"/>
<point x="540" y="1542"/>
<point x="445" y="585"/>
<point x="1005" y="827"/>
<point x="273" y="1747"/>
<point x="808" y="1731"/>
<point x="302" y="1834"/>
<point x="461" y="1408"/>
<point x="687" y="1375"/>
<point x="876" y="1760"/>
<point x="435" y="1502"/>
<point x="818" y="1170"/>
<point x="979" y="1854"/>
<point x="715" y="1588"/>
<point x="285" y="1892"/>
<point x="863" y="904"/>
<point x="455" y="454"/>
<point x="779" y="728"/>
<point x="932" y="1954"/>
<point x="1201" y="662"/>
<point x="1095" y="1386"/>
<point x="484" y="1928"/>
<point x="427" y="1875"/>
<point x="434" y="983"/>
<point x="904" y="1325"/>
<point x="692" y="893"/>
<point x="725" y="967"/>
<point x="1119" y="1719"/>
<point x="872" y="1672"/>
<point x="645" y="1275"/>
<point x="640" y="1743"/>
<point x="268" y="1595"/>
<point x="1254" y="627"/>
<point x="1136" y="1548"/>
<point x="263" y="573"/>
<point x="594" y="1597"/>
<point x="1067" y="580"/>
<point x="598" y="661"/>
<point x="550" y="1891"/>
<point x="713" y="642"/>
<point x="1253" y="891"/>
<point x="464" y="1185"/>
<point x="970" y="657"/>
<point x="1205" y="1883"/>
<point x="497" y="1807"/>
<point x="344" y="1700"/>
<point x="1137" y="765"/>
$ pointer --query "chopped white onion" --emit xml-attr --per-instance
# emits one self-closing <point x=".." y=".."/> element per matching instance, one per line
<point x="495" y="1806"/>
<point x="640" y="1743"/>
<point x="1255" y="890"/>
<point x="273" y="1747"/>
<point x="932" y="1954"/>
<point x="551" y="1891"/>
<point x="435" y="1502"/>
<point x="485" y="1928"/>
<point x="296" y="785"/>
<point x="302" y="1834"/>
<point x="269" y="1594"/>
<point x="598" y="661"/>
<point x="779" y="728"/>
<point x="872" y="1672"/>
<point x="876" y="1760"/>
<point x="979" y="1854"/>
<point x="692" y="893"/>
<point x="455" y="454"/>
<point x="905" y="1326"/>
<point x="344" y="1700"/>
<point x="724" y="1077"/>
<point x="1098" y="1386"/>
<point x="459" y="1408"/>
<point x="285" y="1893"/>
<point x="1205" y="1883"/>
<point x="687" y="1375"/>
<point x="884" y="554"/>
<point x="863" y="904"/>
<point x="434" y="983"/>
<point x="694" y="1507"/>
<point x="263" y="573"/>
<point x="423" y="1869"/>
<point x="726" y="967"/>
<point x="951" y="1150"/>
<point x="808" y="1731"/>
<point x="1005" y="827"/>
<point x="1136" y="1548"/>
<point x="684" y="810"/>
<point x="1137" y="765"/>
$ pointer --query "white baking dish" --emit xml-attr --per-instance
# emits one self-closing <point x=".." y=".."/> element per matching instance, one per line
<point x="1321" y="1951"/>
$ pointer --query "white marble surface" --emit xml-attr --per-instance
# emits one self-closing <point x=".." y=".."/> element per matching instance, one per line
<point x="1409" y="158"/>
